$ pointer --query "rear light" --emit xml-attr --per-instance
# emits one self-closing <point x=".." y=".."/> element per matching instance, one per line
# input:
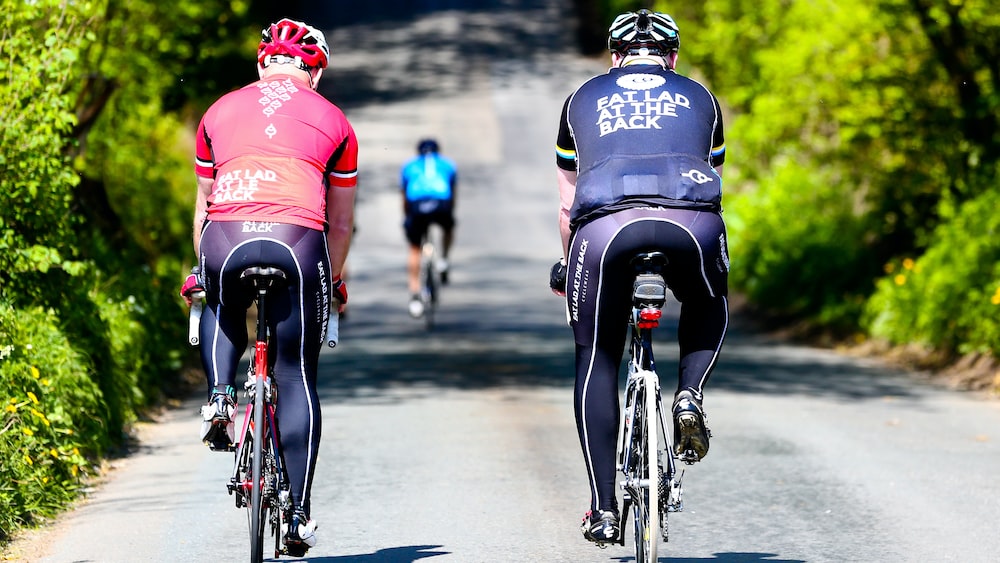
<point x="649" y="318"/>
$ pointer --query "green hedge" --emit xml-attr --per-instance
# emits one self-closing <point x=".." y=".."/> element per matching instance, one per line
<point x="948" y="298"/>
<point x="51" y="422"/>
<point x="799" y="248"/>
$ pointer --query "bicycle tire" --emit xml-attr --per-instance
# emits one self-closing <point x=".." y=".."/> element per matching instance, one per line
<point x="645" y="505"/>
<point x="429" y="292"/>
<point x="257" y="515"/>
<point x="271" y="484"/>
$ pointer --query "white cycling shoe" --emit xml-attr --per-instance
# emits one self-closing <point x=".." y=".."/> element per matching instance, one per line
<point x="300" y="535"/>
<point x="217" y="427"/>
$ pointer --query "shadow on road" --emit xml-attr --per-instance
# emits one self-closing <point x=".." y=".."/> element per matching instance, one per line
<point x="405" y="554"/>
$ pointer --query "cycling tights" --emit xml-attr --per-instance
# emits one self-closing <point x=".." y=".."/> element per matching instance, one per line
<point x="598" y="296"/>
<point x="297" y="312"/>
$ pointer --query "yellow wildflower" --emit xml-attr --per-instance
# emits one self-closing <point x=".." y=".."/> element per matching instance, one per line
<point x="10" y="408"/>
<point x="33" y="398"/>
<point x="908" y="263"/>
<point x="34" y="372"/>
<point x="900" y="279"/>
<point x="27" y="459"/>
<point x="41" y="416"/>
<point x="54" y="453"/>
<point x="27" y="431"/>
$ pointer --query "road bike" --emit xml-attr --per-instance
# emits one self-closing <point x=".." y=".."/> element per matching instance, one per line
<point x="259" y="482"/>
<point x="430" y="276"/>
<point x="645" y="455"/>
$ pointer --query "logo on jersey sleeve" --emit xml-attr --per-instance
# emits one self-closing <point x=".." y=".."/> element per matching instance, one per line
<point x="636" y="107"/>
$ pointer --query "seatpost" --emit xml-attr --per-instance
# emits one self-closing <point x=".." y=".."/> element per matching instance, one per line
<point x="262" y="288"/>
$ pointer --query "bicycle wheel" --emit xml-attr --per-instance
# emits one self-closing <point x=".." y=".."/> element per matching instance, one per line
<point x="669" y="489"/>
<point x="257" y="513"/>
<point x="645" y="503"/>
<point x="430" y="290"/>
<point x="270" y="486"/>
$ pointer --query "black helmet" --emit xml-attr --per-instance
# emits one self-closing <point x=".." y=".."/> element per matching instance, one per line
<point x="427" y="145"/>
<point x="654" y="31"/>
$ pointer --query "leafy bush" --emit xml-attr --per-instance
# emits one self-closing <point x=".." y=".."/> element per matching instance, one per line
<point x="48" y="427"/>
<point x="35" y="219"/>
<point x="95" y="223"/>
<point x="948" y="298"/>
<point x="798" y="247"/>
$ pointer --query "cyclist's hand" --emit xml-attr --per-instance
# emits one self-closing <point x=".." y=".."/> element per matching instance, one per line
<point x="340" y="293"/>
<point x="192" y="285"/>
<point x="557" y="278"/>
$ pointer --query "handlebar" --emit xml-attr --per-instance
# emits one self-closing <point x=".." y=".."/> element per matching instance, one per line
<point x="194" y="317"/>
<point x="198" y="304"/>
<point x="333" y="328"/>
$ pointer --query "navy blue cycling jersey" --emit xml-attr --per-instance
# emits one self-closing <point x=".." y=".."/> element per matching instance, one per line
<point x="641" y="135"/>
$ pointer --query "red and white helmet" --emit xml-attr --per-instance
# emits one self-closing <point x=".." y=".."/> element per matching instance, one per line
<point x="290" y="38"/>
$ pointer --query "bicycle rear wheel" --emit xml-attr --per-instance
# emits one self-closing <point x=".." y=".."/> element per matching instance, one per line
<point x="646" y="474"/>
<point x="257" y="510"/>
<point x="430" y="289"/>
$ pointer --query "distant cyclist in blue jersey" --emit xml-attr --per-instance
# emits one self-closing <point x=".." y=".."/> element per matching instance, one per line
<point x="429" y="182"/>
<point x="639" y="155"/>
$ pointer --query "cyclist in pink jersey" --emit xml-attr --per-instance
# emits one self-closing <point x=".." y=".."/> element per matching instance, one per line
<point x="276" y="164"/>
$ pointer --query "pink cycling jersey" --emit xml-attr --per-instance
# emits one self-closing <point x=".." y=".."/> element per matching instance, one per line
<point x="273" y="148"/>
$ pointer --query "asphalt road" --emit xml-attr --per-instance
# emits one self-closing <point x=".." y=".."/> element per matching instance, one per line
<point x="459" y="444"/>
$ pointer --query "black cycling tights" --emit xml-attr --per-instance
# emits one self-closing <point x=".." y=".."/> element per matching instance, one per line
<point x="599" y="289"/>
<point x="297" y="314"/>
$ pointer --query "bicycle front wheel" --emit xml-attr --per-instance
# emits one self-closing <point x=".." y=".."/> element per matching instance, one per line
<point x="646" y="506"/>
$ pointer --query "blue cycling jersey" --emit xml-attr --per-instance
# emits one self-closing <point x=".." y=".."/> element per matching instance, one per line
<point x="428" y="176"/>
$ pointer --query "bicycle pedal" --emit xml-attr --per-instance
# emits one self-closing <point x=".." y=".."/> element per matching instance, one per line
<point x="689" y="457"/>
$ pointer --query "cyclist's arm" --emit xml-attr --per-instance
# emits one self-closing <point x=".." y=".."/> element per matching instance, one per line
<point x="340" y="220"/>
<point x="342" y="179"/>
<point x="201" y="210"/>
<point x="566" y="169"/>
<point x="454" y="190"/>
<point x="567" y="193"/>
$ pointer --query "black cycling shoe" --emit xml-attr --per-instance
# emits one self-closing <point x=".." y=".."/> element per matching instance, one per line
<point x="601" y="527"/>
<point x="690" y="433"/>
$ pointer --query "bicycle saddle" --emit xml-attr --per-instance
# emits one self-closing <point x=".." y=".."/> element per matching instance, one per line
<point x="269" y="275"/>
<point x="649" y="262"/>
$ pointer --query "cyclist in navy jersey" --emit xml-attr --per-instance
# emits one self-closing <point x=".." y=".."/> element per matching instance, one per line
<point x="639" y="155"/>
<point x="429" y="183"/>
